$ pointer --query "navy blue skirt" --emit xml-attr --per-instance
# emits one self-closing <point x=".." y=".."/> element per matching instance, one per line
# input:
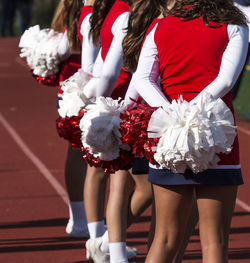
<point x="140" y="166"/>
<point x="209" y="176"/>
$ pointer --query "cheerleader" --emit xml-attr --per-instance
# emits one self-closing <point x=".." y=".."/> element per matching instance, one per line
<point x="114" y="82"/>
<point x="108" y="21"/>
<point x="131" y="52"/>
<point x="198" y="49"/>
<point x="66" y="19"/>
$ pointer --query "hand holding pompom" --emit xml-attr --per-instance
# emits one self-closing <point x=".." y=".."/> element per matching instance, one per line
<point x="78" y="91"/>
<point x="191" y="135"/>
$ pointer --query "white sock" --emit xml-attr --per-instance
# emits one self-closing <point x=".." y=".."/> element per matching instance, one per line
<point x="105" y="242"/>
<point x="77" y="214"/>
<point x="96" y="229"/>
<point x="117" y="251"/>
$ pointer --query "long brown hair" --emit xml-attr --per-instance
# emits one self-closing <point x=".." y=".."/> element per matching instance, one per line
<point x="67" y="16"/>
<point x="220" y="11"/>
<point x="142" y="13"/>
<point x="100" y="11"/>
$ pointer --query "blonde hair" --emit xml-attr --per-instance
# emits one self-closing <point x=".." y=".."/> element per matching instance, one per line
<point x="67" y="17"/>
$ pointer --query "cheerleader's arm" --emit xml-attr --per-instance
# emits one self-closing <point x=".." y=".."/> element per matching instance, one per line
<point x="113" y="61"/>
<point x="131" y="93"/>
<point x="89" y="50"/>
<point x="145" y="79"/>
<point x="98" y="65"/>
<point x="232" y="62"/>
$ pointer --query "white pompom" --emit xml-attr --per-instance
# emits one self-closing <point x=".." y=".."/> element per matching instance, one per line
<point x="70" y="105"/>
<point x="192" y="135"/>
<point x="76" y="82"/>
<point x="100" y="128"/>
<point x="75" y="94"/>
<point x="40" y="48"/>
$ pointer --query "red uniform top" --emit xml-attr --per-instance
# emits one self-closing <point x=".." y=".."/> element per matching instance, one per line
<point x="189" y="60"/>
<point x="106" y="38"/>
<point x="151" y="26"/>
<point x="85" y="10"/>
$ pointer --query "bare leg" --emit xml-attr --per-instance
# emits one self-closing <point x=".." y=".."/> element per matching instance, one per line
<point x="191" y="223"/>
<point x="75" y="172"/>
<point x="94" y="194"/>
<point x="152" y="223"/>
<point x="121" y="186"/>
<point x="172" y="206"/>
<point x="141" y="198"/>
<point x="215" y="205"/>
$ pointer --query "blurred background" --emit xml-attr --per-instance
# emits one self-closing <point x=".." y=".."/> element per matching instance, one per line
<point x="17" y="15"/>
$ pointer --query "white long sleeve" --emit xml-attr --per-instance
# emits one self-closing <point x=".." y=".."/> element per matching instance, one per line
<point x="89" y="50"/>
<point x="97" y="69"/>
<point x="144" y="80"/>
<point x="113" y="61"/>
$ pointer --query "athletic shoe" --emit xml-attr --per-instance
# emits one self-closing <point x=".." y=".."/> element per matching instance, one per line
<point x="74" y="231"/>
<point x="93" y="251"/>
<point x="131" y="252"/>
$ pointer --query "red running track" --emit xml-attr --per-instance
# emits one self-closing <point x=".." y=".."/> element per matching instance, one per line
<point x="33" y="202"/>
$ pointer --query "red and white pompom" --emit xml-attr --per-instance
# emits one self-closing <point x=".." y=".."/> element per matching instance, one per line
<point x="68" y="128"/>
<point x="133" y="129"/>
<point x="191" y="135"/>
<point x="101" y="137"/>
<point x="44" y="49"/>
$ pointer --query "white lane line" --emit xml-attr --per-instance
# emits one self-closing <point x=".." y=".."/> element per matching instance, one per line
<point x="243" y="130"/>
<point x="21" y="62"/>
<point x="243" y="205"/>
<point x="35" y="160"/>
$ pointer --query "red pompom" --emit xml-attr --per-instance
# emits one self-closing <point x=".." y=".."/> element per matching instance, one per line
<point x="133" y="129"/>
<point x="52" y="80"/>
<point x="68" y="128"/>
<point x="123" y="162"/>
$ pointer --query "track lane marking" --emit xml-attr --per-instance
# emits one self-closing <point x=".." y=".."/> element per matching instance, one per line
<point x="243" y="205"/>
<point x="35" y="160"/>
<point x="243" y="130"/>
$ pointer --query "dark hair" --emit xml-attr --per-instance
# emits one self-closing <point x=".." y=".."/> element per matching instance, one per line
<point x="100" y="11"/>
<point x="142" y="13"/>
<point x="220" y="11"/>
<point x="67" y="16"/>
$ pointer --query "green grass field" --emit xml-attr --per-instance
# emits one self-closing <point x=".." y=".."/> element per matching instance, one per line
<point x="242" y="101"/>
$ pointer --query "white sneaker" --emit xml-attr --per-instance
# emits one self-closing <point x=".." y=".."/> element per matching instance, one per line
<point x="74" y="231"/>
<point x="131" y="252"/>
<point x="93" y="251"/>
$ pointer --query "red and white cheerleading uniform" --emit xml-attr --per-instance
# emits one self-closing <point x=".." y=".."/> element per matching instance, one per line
<point x="191" y="58"/>
<point x="114" y="80"/>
